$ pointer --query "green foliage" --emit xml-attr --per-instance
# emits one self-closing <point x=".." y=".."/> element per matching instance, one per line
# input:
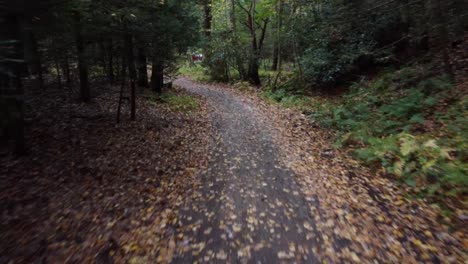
<point x="174" y="101"/>
<point x="195" y="71"/>
<point x="336" y="40"/>
<point x="221" y="53"/>
<point x="182" y="103"/>
<point x="419" y="160"/>
<point x="284" y="97"/>
<point x="399" y="122"/>
<point x="324" y="66"/>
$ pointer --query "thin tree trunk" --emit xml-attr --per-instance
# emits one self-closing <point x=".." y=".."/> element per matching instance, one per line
<point x="274" y="63"/>
<point x="59" y="77"/>
<point x="157" y="76"/>
<point x="102" y="55"/>
<point x="254" y="77"/>
<point x="82" y="63"/>
<point x="10" y="80"/>
<point x="142" y="68"/>
<point x="122" y="86"/>
<point x="208" y="17"/>
<point x="240" y="66"/>
<point x="20" y="145"/>
<point x="66" y="68"/>
<point x="276" y="44"/>
<point x="110" y="61"/>
<point x="132" y="73"/>
<point x="32" y="54"/>
<point x="442" y="40"/>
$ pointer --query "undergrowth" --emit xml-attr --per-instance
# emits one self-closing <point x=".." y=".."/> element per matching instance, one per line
<point x="403" y="123"/>
<point x="195" y="71"/>
<point x="290" y="98"/>
<point x="176" y="102"/>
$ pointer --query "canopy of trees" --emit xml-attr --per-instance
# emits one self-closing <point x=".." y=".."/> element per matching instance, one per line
<point x="328" y="42"/>
<point x="119" y="41"/>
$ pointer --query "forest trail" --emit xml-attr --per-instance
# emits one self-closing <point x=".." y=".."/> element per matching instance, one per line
<point x="275" y="191"/>
<point x="248" y="206"/>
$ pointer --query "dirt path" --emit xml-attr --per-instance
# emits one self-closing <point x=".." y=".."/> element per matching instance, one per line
<point x="275" y="191"/>
<point x="248" y="206"/>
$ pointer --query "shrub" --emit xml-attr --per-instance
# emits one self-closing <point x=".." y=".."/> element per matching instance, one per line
<point x="184" y="103"/>
<point x="383" y="121"/>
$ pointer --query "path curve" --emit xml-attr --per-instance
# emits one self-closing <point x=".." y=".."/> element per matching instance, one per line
<point x="248" y="207"/>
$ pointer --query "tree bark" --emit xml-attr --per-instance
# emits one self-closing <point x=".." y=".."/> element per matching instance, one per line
<point x="208" y="17"/>
<point x="102" y="55"/>
<point x="251" y="24"/>
<point x="32" y="54"/>
<point x="239" y="64"/>
<point x="276" y="44"/>
<point x="66" y="68"/>
<point x="10" y="80"/>
<point x="59" y="76"/>
<point x="82" y="63"/>
<point x="254" y="76"/>
<point x="132" y="73"/>
<point x="157" y="76"/>
<point x="442" y="38"/>
<point x="110" y="61"/>
<point x="142" y="68"/>
<point x="122" y="86"/>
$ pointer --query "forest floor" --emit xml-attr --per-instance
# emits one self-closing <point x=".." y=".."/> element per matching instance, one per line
<point x="275" y="190"/>
<point x="236" y="179"/>
<point x="93" y="191"/>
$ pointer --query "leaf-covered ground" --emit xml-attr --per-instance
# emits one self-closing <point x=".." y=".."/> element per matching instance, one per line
<point x="93" y="191"/>
<point x="276" y="191"/>
<point x="235" y="180"/>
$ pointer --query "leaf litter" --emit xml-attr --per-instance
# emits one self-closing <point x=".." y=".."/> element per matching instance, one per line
<point x="239" y="180"/>
<point x="93" y="191"/>
<point x="356" y="215"/>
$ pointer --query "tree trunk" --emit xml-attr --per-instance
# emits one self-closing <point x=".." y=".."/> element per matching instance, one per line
<point x="239" y="64"/>
<point x="82" y="63"/>
<point x="132" y="73"/>
<point x="10" y="81"/>
<point x="122" y="86"/>
<point x="442" y="38"/>
<point x="32" y="54"/>
<point x="110" y="61"/>
<point x="254" y="77"/>
<point x="276" y="44"/>
<point x="208" y="17"/>
<point x="157" y="76"/>
<point x="142" y="68"/>
<point x="59" y="77"/>
<point x="274" y="63"/>
<point x="66" y="68"/>
<point x="102" y="54"/>
<point x="256" y="51"/>
<point x="251" y="24"/>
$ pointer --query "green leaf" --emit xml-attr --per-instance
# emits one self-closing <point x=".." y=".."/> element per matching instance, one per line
<point x="408" y="145"/>
<point x="410" y="181"/>
<point x="417" y="118"/>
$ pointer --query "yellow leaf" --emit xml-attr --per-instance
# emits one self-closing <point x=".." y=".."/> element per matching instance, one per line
<point x="417" y="242"/>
